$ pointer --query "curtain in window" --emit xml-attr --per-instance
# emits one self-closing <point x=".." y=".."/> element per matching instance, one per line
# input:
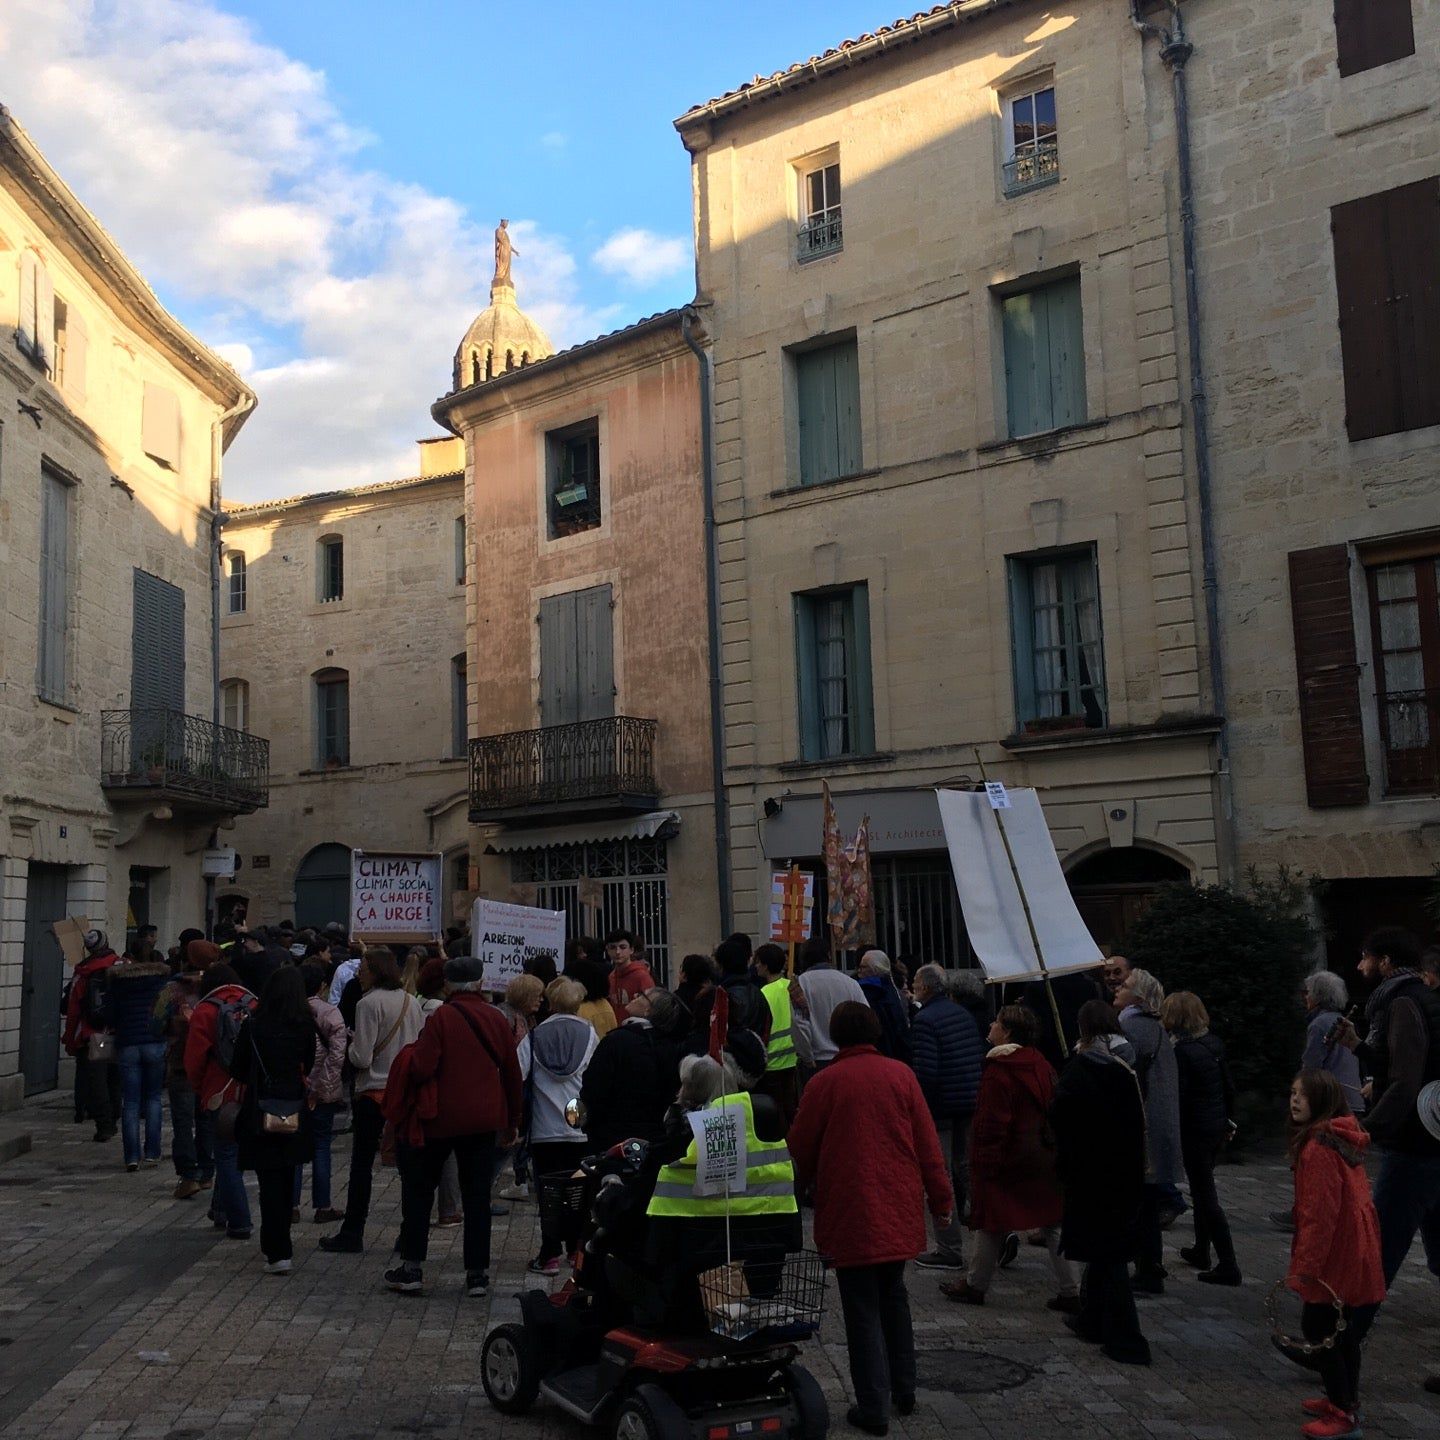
<point x="1087" y="628"/>
<point x="1048" y="640"/>
<point x="1407" y="717"/>
<point x="830" y="648"/>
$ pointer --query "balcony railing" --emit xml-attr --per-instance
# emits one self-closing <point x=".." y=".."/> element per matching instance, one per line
<point x="820" y="235"/>
<point x="1032" y="169"/>
<point x="592" y="766"/>
<point x="1410" y="725"/>
<point x="184" y="758"/>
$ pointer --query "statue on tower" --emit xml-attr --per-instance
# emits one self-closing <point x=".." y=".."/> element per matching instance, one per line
<point x="503" y="251"/>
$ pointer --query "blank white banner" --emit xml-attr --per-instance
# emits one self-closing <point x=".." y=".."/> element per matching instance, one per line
<point x="994" y="916"/>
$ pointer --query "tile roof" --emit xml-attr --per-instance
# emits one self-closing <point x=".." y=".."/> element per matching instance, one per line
<point x="840" y="57"/>
<point x="239" y="510"/>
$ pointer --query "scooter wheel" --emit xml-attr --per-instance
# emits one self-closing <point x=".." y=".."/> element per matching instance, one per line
<point x="509" y="1370"/>
<point x="812" y="1414"/>
<point x="650" y="1414"/>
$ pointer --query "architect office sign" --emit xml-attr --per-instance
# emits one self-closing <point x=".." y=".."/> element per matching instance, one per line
<point x="394" y="896"/>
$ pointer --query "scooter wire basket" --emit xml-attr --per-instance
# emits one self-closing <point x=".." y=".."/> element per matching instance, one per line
<point x="780" y="1299"/>
<point x="563" y="1199"/>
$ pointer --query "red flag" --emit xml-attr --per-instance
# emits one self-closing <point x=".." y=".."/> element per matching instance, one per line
<point x="719" y="1021"/>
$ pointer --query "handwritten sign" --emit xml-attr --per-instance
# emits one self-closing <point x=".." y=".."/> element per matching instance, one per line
<point x="720" y="1150"/>
<point x="394" y="897"/>
<point x="792" y="904"/>
<point x="995" y="794"/>
<point x="505" y="936"/>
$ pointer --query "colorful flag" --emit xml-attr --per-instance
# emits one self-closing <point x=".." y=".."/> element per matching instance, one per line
<point x="850" y="908"/>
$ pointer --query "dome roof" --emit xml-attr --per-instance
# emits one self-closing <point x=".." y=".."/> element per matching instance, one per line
<point x="501" y="337"/>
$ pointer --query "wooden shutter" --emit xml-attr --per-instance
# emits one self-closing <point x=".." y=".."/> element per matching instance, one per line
<point x="29" y="271"/>
<point x="1412" y="217"/>
<point x="1328" y="677"/>
<point x="160" y="425"/>
<point x="77" y="348"/>
<point x="1372" y="32"/>
<point x="828" y="395"/>
<point x="1027" y="385"/>
<point x="1065" y="338"/>
<point x="559" y="682"/>
<point x="53" y="666"/>
<point x="595" y="657"/>
<point x="807" y="678"/>
<point x="1362" y="286"/>
<point x="157" y="676"/>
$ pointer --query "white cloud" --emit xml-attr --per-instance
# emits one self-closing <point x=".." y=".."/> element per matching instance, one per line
<point x="225" y="171"/>
<point x="554" y="141"/>
<point x="641" y="257"/>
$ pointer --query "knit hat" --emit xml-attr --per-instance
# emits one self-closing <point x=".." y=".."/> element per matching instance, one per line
<point x="464" y="970"/>
<point x="200" y="953"/>
<point x="95" y="941"/>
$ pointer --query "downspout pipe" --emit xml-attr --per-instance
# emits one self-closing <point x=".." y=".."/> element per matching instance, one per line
<point x="1175" y="52"/>
<point x="689" y="319"/>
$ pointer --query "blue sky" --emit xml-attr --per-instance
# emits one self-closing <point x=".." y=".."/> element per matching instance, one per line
<point x="312" y="186"/>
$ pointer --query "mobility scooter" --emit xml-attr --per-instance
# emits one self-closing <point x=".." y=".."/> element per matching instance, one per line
<point x="583" y="1349"/>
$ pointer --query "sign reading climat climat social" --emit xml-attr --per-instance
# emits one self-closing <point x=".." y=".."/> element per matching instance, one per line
<point x="394" y="896"/>
<point x="505" y="936"/>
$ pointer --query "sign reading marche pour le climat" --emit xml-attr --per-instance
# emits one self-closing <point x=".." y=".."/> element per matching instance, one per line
<point x="394" y="897"/>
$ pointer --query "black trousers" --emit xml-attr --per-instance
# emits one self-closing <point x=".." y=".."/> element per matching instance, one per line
<point x="1339" y="1366"/>
<point x="554" y="1157"/>
<point x="365" y="1129"/>
<point x="1200" y="1153"/>
<point x="1107" y="1309"/>
<point x="420" y="1168"/>
<point x="98" y="1082"/>
<point x="878" y="1335"/>
<point x="277" y="1204"/>
<point x="1149" y="1242"/>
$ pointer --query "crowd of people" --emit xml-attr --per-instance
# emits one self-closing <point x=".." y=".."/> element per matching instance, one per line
<point x="1063" y="1114"/>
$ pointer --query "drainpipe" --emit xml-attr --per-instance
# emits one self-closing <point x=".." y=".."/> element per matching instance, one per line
<point x="689" y="318"/>
<point x="1175" y="52"/>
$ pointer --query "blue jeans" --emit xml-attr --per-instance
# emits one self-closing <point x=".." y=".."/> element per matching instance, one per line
<point x="232" y="1205"/>
<point x="322" y="1127"/>
<point x="142" y="1083"/>
<point x="1407" y="1199"/>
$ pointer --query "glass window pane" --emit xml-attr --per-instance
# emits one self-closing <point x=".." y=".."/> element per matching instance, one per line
<point x="815" y="183"/>
<point x="1400" y="626"/>
<point x="1045" y="115"/>
<point x="1395" y="582"/>
<point x="1023" y="114"/>
<point x="832" y="186"/>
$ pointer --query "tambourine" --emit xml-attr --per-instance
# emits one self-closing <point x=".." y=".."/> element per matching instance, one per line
<point x="1288" y="1343"/>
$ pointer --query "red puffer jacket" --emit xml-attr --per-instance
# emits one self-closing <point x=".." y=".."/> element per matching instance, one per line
<point x="78" y="1029"/>
<point x="1337" y="1235"/>
<point x="864" y="1139"/>
<point x="472" y="1094"/>
<point x="207" y="1076"/>
<point x="1013" y="1182"/>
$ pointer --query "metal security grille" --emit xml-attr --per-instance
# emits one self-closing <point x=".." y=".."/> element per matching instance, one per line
<point x="634" y="890"/>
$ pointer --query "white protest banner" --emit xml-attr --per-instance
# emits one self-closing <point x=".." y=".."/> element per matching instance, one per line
<point x="394" y="897"/>
<point x="990" y="898"/>
<point x="505" y="936"/>
<point x="720" y="1150"/>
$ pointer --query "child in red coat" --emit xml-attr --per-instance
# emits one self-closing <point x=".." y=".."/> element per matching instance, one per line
<point x="1335" y="1258"/>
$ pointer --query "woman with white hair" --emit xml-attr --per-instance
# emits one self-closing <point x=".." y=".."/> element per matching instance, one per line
<point x="1325" y="999"/>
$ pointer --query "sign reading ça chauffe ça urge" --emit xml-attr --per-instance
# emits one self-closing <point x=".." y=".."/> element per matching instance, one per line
<point x="394" y="897"/>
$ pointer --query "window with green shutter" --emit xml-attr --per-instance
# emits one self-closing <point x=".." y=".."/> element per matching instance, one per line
<point x="832" y="660"/>
<point x="1058" y="651"/>
<point x="332" y="719"/>
<point x="827" y="392"/>
<point x="1044" y="358"/>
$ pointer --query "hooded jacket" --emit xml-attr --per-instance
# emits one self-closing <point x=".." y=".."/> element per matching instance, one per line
<point x="135" y="985"/>
<point x="174" y="1006"/>
<point x="557" y="1051"/>
<point x="332" y="1036"/>
<point x="78" y="1029"/>
<point x="1337" y="1234"/>
<point x="1013" y="1184"/>
<point x="629" y="980"/>
<point x="1403" y="1050"/>
<point x="207" y="1076"/>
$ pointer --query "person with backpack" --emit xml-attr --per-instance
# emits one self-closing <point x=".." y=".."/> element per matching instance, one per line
<point x="192" y="1145"/>
<point x="274" y="1053"/>
<point x="386" y="1021"/>
<point x="325" y="1090"/>
<point x="135" y="985"/>
<point x="90" y="1037"/>
<point x="215" y="1025"/>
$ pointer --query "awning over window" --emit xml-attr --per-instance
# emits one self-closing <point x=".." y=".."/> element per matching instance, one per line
<point x="638" y="827"/>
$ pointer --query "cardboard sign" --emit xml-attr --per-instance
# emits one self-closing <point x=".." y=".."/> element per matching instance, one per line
<point x="505" y="936"/>
<point x="394" y="897"/>
<point x="792" y="906"/>
<point x="71" y="935"/>
<point x="720" y="1150"/>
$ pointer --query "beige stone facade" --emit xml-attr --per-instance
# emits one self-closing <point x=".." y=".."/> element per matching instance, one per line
<point x="393" y="639"/>
<point x="1282" y="137"/>
<point x="952" y="500"/>
<point x="112" y="423"/>
<point x="592" y="787"/>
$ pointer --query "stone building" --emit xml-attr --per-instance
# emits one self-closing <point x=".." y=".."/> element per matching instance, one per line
<point x="591" y="778"/>
<point x="939" y="266"/>
<point x="1317" y="173"/>
<point x="113" y="772"/>
<point x="343" y="637"/>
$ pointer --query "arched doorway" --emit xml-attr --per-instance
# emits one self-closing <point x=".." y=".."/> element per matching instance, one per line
<point x="1114" y="888"/>
<point x="322" y="887"/>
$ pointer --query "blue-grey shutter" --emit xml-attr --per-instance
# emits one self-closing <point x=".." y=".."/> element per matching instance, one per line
<point x="559" y="684"/>
<point x="1026" y="402"/>
<point x="577" y="662"/>
<point x="847" y="409"/>
<point x="807" y="678"/>
<point x="595" y="657"/>
<point x="342" y="720"/>
<point x="1022" y="639"/>
<point x="862" y="696"/>
<point x="1066" y="337"/>
<point x="157" y="676"/>
<point x="1044" y="358"/>
<point x="54" y="587"/>
<point x="828" y="400"/>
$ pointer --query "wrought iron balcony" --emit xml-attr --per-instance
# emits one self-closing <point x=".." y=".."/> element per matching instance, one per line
<point x="1410" y="731"/>
<point x="820" y="235"/>
<point x="183" y="759"/>
<point x="593" y="767"/>
<point x="1033" y="169"/>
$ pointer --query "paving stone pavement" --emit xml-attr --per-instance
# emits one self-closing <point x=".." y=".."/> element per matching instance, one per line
<point x="122" y="1314"/>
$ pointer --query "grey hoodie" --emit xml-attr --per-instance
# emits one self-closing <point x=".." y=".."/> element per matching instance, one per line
<point x="558" y="1050"/>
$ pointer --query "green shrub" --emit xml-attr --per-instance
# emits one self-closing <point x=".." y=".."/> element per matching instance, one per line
<point x="1244" y="956"/>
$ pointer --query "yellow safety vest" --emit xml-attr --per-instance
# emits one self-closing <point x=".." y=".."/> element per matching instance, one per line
<point x="769" y="1179"/>
<point x="780" y="1053"/>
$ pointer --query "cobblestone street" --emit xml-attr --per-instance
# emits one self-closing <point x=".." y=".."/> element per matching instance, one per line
<point x="121" y="1313"/>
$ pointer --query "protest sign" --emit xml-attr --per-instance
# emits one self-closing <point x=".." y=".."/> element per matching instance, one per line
<point x="720" y="1150"/>
<point x="505" y="936"/>
<point x="990" y="897"/>
<point x="394" y="897"/>
<point x="70" y="932"/>
<point x="792" y="904"/>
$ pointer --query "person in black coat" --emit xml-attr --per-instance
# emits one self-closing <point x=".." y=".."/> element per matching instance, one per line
<point x="1207" y="1103"/>
<point x="877" y="981"/>
<point x="1098" y="1117"/>
<point x="273" y="1054"/>
<point x="634" y="1073"/>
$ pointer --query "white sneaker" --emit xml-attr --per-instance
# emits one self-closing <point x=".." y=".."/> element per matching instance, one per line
<point x="515" y="1192"/>
<point x="278" y="1267"/>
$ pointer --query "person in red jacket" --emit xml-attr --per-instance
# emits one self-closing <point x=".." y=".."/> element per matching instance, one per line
<point x="864" y="1141"/>
<point x="460" y="1084"/>
<point x="97" y="1079"/>
<point x="629" y="974"/>
<point x="1335" y="1254"/>
<point x="1013" y="1179"/>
